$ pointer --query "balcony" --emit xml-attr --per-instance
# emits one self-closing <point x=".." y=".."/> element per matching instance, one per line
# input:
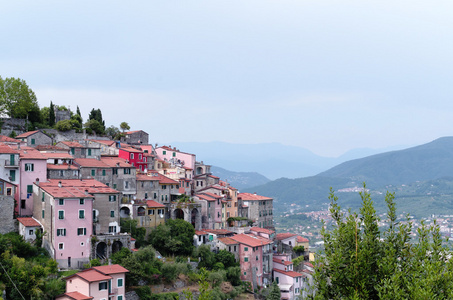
<point x="11" y="164"/>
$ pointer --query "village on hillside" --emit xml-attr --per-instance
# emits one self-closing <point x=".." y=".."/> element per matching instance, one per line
<point x="73" y="189"/>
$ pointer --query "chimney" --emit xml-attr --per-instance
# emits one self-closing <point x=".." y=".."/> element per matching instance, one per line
<point x="117" y="164"/>
<point x="59" y="184"/>
<point x="86" y="192"/>
<point x="37" y="181"/>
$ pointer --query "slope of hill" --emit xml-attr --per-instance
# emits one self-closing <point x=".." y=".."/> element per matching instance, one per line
<point x="240" y="180"/>
<point x="421" y="177"/>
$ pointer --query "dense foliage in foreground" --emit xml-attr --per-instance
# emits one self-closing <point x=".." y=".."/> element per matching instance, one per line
<point x="360" y="262"/>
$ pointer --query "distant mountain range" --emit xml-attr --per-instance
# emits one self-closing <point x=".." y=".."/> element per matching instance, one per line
<point x="272" y="160"/>
<point x="240" y="180"/>
<point x="421" y="176"/>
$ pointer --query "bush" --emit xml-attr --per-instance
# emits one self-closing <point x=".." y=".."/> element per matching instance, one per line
<point x="169" y="271"/>
<point x="64" y="125"/>
<point x="217" y="277"/>
<point x="218" y="266"/>
<point x="233" y="275"/>
<point x="165" y="296"/>
<point x="144" y="292"/>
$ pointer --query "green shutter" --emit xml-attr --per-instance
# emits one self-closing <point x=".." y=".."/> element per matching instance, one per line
<point x="93" y="172"/>
<point x="29" y="189"/>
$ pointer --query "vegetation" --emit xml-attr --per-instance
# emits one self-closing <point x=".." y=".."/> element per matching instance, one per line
<point x="138" y="233"/>
<point x="360" y="262"/>
<point x="175" y="237"/>
<point x="95" y="121"/>
<point x="274" y="293"/>
<point x="17" y="100"/>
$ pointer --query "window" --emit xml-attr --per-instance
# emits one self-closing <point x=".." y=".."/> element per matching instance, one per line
<point x="127" y="171"/>
<point x="30" y="232"/>
<point x="81" y="201"/>
<point x="60" y="201"/>
<point x="155" y="196"/>
<point x="42" y="199"/>
<point x="61" y="246"/>
<point x="93" y="172"/>
<point x="42" y="213"/>
<point x="81" y="214"/>
<point x="112" y="213"/>
<point x="114" y="185"/>
<point x="61" y="232"/>
<point x="246" y="259"/>
<point x="32" y="141"/>
<point x="12" y="175"/>
<point x="140" y="156"/>
<point x="115" y="171"/>
<point x="112" y="229"/>
<point x="297" y="279"/>
<point x="160" y="211"/>
<point x="102" y="285"/>
<point x="146" y="195"/>
<point x="256" y="257"/>
<point x="112" y="198"/>
<point x="29" y="189"/>
<point x="151" y="212"/>
<point x="166" y="197"/>
<point x="120" y="283"/>
<point x="245" y="273"/>
<point x="126" y="184"/>
<point x="72" y="151"/>
<point x="164" y="152"/>
<point x="132" y="155"/>
<point x="120" y="297"/>
<point x="22" y="204"/>
<point x="61" y="214"/>
<point x="81" y="231"/>
<point x="174" y="154"/>
<point x="276" y="279"/>
<point x="246" y="248"/>
<point x="164" y="187"/>
<point x="103" y="172"/>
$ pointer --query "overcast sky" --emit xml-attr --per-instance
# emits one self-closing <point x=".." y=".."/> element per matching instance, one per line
<point x="328" y="76"/>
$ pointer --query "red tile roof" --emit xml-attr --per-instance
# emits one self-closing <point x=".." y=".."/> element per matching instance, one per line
<point x="29" y="222"/>
<point x="204" y="197"/>
<point x="5" y="149"/>
<point x="75" y="188"/>
<point x="285" y="235"/>
<point x="49" y="147"/>
<point x="113" y="161"/>
<point x="105" y="142"/>
<point x="252" y="197"/>
<point x="263" y="230"/>
<point x="163" y="179"/>
<point x="152" y="203"/>
<point x="90" y="275"/>
<point x="72" y="144"/>
<point x="111" y="269"/>
<point x="27" y="134"/>
<point x="251" y="240"/>
<point x="61" y="167"/>
<point x="228" y="241"/>
<point x="300" y="239"/>
<point x="30" y="153"/>
<point x="76" y="296"/>
<point x="130" y="149"/>
<point x="283" y="262"/>
<point x="289" y="273"/>
<point x="212" y="195"/>
<point x="90" y="163"/>
<point x="4" y="138"/>
<point x="212" y="176"/>
<point x="62" y="155"/>
<point x="218" y="231"/>
<point x="200" y="232"/>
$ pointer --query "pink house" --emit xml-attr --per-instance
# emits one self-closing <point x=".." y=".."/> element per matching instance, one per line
<point x="291" y="283"/>
<point x="33" y="166"/>
<point x="97" y="283"/>
<point x="253" y="250"/>
<point x="166" y="153"/>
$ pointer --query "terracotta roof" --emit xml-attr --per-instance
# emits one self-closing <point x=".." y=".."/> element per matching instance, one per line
<point x="113" y="161"/>
<point x="213" y="195"/>
<point x="152" y="203"/>
<point x="90" y="275"/>
<point x="251" y="240"/>
<point x="143" y="177"/>
<point x="133" y="131"/>
<point x="215" y="186"/>
<point x="263" y="230"/>
<point x="5" y="149"/>
<point x="111" y="269"/>
<point x="227" y="241"/>
<point x="252" y="197"/>
<point x="204" y="197"/>
<point x="105" y="142"/>
<point x="65" y="155"/>
<point x="164" y="179"/>
<point x="75" y="188"/>
<point x="4" y="138"/>
<point x="90" y="163"/>
<point x="61" y="167"/>
<point x="218" y="231"/>
<point x="285" y="235"/>
<point x="49" y="147"/>
<point x="212" y="176"/>
<point x="75" y="296"/>
<point x="29" y="222"/>
<point x="30" y="153"/>
<point x="300" y="239"/>
<point x="200" y="232"/>
<point x="27" y="134"/>
<point x="72" y="144"/>
<point x="130" y="149"/>
<point x="283" y="262"/>
<point x="289" y="273"/>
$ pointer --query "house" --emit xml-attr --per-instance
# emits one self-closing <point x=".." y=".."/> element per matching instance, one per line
<point x="9" y="164"/>
<point x="28" y="227"/>
<point x="33" y="166"/>
<point x="149" y="214"/>
<point x="260" y="209"/>
<point x="286" y="241"/>
<point x="211" y="210"/>
<point x="169" y="154"/>
<point x="291" y="283"/>
<point x="230" y="245"/>
<point x="8" y="196"/>
<point x="97" y="283"/>
<point x="200" y="238"/>
<point x="266" y="233"/>
<point x="255" y="257"/>
<point x="35" y="138"/>
<point x="301" y="241"/>
<point x="135" y="157"/>
<point x="91" y="168"/>
<point x="137" y="137"/>
<point x="123" y="178"/>
<point x="60" y="165"/>
<point x="82" y="149"/>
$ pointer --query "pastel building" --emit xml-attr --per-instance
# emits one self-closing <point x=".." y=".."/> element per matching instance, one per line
<point x="28" y="228"/>
<point x="291" y="283"/>
<point x="97" y="283"/>
<point x="260" y="209"/>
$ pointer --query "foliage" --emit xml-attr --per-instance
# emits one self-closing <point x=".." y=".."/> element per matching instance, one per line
<point x="207" y="257"/>
<point x="63" y="125"/>
<point x="95" y="121"/>
<point x="175" y="237"/>
<point x="112" y="132"/>
<point x="17" y="100"/>
<point x="119" y="256"/>
<point x="138" y="233"/>
<point x="360" y="262"/>
<point x="226" y="258"/>
<point x="143" y="292"/>
<point x="215" y="278"/>
<point x="13" y="134"/>
<point x="274" y="293"/>
<point x="299" y="249"/>
<point x="233" y="275"/>
<point x="203" y="284"/>
<point x="169" y="272"/>
<point x="298" y="260"/>
<point x="124" y="126"/>
<point x="51" y="116"/>
<point x="165" y="296"/>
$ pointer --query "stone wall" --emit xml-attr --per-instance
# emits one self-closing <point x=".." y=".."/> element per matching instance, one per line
<point x="9" y="125"/>
<point x="7" y="214"/>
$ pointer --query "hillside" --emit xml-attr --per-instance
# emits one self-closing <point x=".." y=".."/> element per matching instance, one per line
<point x="421" y="176"/>
<point x="240" y="180"/>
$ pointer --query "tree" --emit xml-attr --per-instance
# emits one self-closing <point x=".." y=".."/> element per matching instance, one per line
<point x="124" y="126"/>
<point x="112" y="132"/>
<point x="96" y="115"/>
<point x="51" y="114"/>
<point x="274" y="293"/>
<point x="138" y="233"/>
<point x="360" y="262"/>
<point x="226" y="258"/>
<point x="63" y="125"/>
<point x="174" y="237"/>
<point x="95" y="126"/>
<point x="17" y="100"/>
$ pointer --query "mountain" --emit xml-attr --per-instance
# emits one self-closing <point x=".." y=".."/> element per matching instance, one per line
<point x="273" y="160"/>
<point x="240" y="180"/>
<point x="421" y="177"/>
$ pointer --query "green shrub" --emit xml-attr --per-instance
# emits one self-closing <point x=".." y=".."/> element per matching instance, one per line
<point x="144" y="292"/>
<point x="217" y="277"/>
<point x="169" y="271"/>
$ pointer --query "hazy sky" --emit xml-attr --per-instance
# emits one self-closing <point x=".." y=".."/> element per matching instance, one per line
<point x="325" y="75"/>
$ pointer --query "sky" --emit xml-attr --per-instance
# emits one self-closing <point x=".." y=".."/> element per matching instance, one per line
<point x="329" y="76"/>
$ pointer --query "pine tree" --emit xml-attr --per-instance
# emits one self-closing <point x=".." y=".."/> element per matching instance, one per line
<point x="274" y="293"/>
<point x="51" y="115"/>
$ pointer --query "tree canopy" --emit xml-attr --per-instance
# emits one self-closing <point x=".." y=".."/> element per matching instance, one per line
<point x="173" y="237"/>
<point x="17" y="100"/>
<point x="361" y="262"/>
